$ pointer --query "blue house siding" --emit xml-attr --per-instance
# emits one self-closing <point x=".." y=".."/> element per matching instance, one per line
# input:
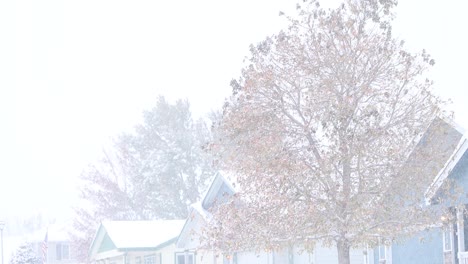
<point x="424" y="248"/>
<point x="460" y="175"/>
<point x="427" y="247"/>
<point x="107" y="244"/>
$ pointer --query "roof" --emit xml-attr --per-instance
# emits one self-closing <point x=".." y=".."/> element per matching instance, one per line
<point x="142" y="234"/>
<point x="456" y="144"/>
<point x="196" y="214"/>
<point x="219" y="184"/>
<point x="136" y="235"/>
<point x="55" y="232"/>
<point x="219" y="188"/>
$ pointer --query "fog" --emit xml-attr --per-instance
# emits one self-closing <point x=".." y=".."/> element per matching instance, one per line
<point x="74" y="74"/>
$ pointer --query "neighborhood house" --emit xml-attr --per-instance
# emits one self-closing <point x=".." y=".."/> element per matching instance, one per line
<point x="178" y="241"/>
<point x="137" y="242"/>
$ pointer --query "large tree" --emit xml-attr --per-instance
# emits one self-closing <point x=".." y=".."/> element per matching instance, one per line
<point x="321" y="135"/>
<point x="155" y="172"/>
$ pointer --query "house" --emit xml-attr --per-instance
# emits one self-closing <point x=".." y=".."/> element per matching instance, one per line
<point x="444" y="243"/>
<point x="454" y="226"/>
<point x="136" y="242"/>
<point x="59" y="246"/>
<point x="189" y="239"/>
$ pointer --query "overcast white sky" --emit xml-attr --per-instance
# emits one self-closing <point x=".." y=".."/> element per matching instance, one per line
<point x="75" y="73"/>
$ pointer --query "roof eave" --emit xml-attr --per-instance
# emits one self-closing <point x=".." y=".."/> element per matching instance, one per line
<point x="445" y="171"/>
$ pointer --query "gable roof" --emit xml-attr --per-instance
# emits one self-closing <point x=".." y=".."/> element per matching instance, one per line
<point x="135" y="235"/>
<point x="455" y="140"/>
<point x="219" y="190"/>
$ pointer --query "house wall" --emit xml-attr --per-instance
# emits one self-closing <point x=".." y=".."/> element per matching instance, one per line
<point x="460" y="175"/>
<point x="252" y="257"/>
<point x="52" y="256"/>
<point x="422" y="248"/>
<point x="208" y="257"/>
<point x="192" y="240"/>
<point x="303" y="257"/>
<point x="322" y="254"/>
<point x="135" y="257"/>
<point x="115" y="260"/>
<point x="189" y="241"/>
<point x="264" y="257"/>
<point x="166" y="255"/>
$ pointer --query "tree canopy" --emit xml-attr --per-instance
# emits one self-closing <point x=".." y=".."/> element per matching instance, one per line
<point x="25" y="254"/>
<point x="320" y="131"/>
<point x="155" y="172"/>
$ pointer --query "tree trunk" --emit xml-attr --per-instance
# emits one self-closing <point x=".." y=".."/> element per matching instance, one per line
<point x="343" y="252"/>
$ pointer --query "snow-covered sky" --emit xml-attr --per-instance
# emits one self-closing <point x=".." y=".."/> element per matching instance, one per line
<point x="75" y="73"/>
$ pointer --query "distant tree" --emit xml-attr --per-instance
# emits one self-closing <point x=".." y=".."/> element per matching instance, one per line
<point x="318" y="133"/>
<point x="33" y="223"/>
<point x="156" y="172"/>
<point x="25" y="254"/>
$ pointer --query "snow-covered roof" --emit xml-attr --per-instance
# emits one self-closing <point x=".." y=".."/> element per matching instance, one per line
<point x="55" y="232"/>
<point x="142" y="234"/>
<point x="220" y="183"/>
<point x="202" y="211"/>
<point x="219" y="186"/>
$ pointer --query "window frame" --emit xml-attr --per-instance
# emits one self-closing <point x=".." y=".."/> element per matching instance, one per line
<point x="59" y="251"/>
<point x="387" y="253"/>
<point x="447" y="233"/>
<point x="156" y="257"/>
<point x="149" y="259"/>
<point x="186" y="254"/>
<point x="382" y="249"/>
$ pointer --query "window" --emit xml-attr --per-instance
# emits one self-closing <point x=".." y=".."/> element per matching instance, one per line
<point x="62" y="251"/>
<point x="137" y="260"/>
<point x="382" y="252"/>
<point x="153" y="259"/>
<point x="447" y="236"/>
<point x="385" y="253"/>
<point x="185" y="258"/>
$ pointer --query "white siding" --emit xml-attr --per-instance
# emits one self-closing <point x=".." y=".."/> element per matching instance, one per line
<point x="326" y="255"/>
<point x="166" y="254"/>
<point x="319" y="256"/>
<point x="252" y="257"/>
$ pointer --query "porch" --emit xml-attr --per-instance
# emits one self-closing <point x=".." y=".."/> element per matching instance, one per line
<point x="455" y="241"/>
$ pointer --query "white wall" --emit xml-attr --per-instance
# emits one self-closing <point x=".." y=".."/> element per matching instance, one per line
<point x="327" y="255"/>
<point x="167" y="256"/>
